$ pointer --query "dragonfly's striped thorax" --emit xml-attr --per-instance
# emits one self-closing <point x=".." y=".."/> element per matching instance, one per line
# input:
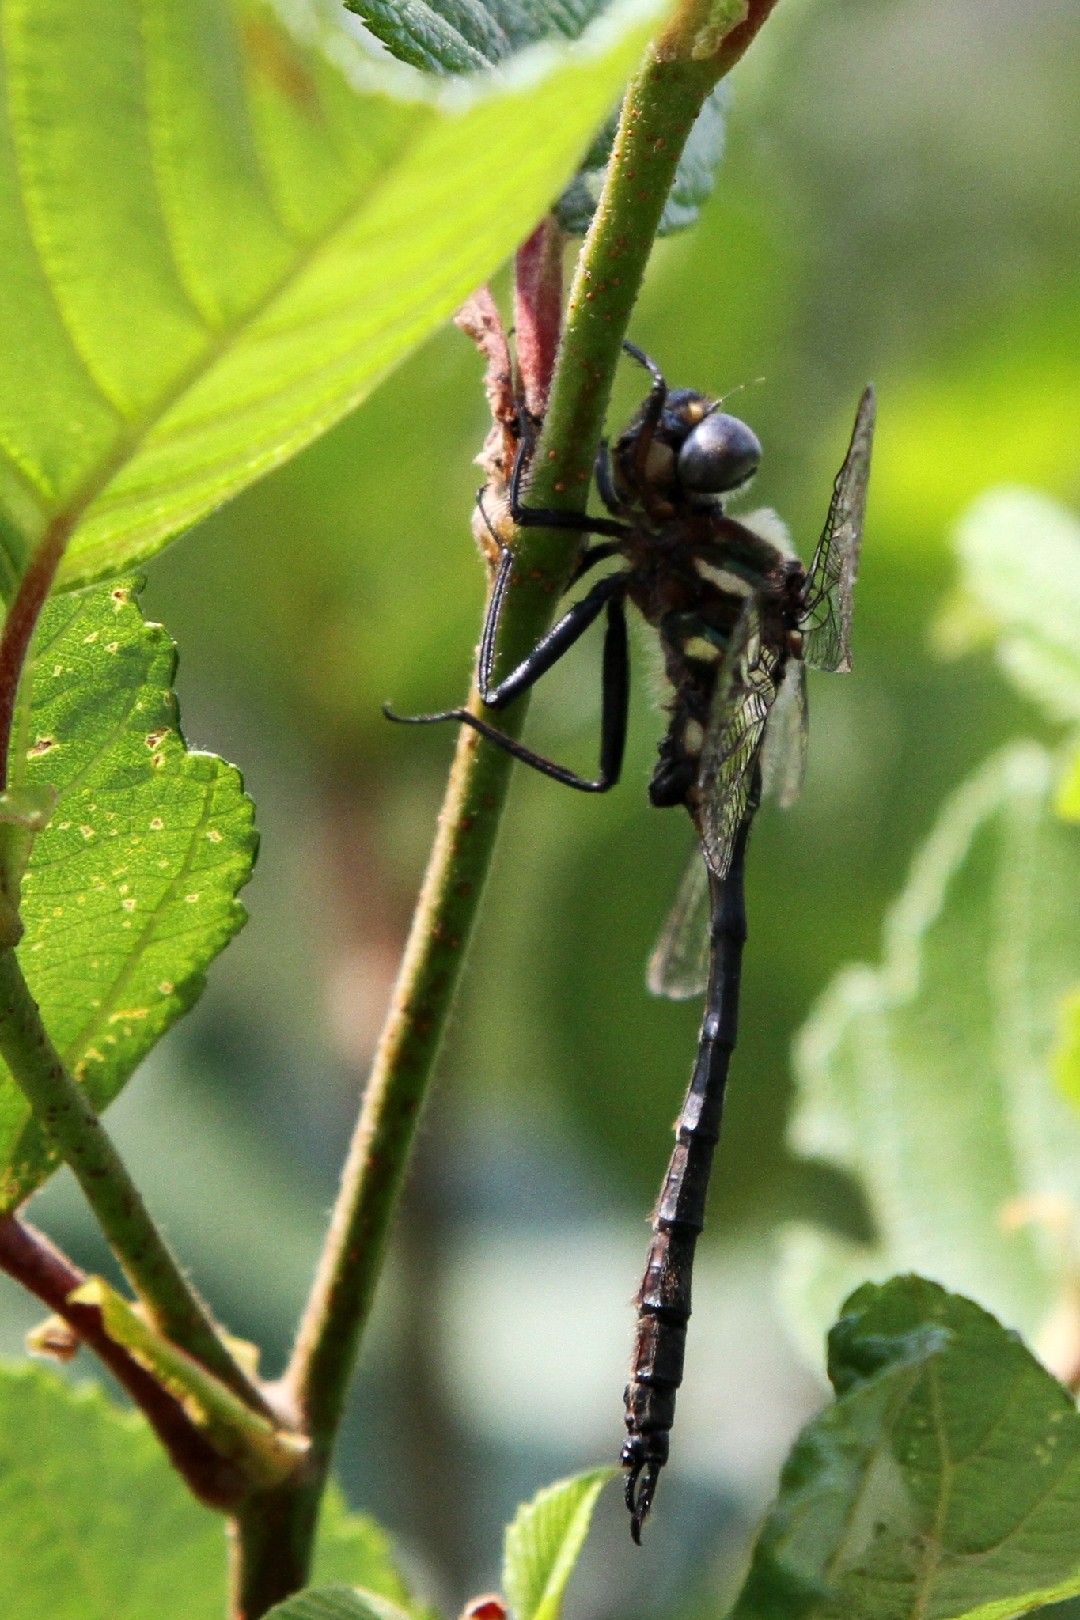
<point x="692" y="570"/>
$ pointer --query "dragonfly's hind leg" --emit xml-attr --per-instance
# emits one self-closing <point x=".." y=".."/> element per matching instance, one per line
<point x="560" y="638"/>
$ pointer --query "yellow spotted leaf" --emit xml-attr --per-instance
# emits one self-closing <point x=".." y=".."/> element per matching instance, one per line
<point x="130" y="889"/>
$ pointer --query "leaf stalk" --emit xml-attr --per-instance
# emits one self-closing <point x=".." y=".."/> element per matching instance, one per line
<point x="64" y="1113"/>
<point x="40" y="1267"/>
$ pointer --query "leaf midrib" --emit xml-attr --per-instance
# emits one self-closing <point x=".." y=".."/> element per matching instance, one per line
<point x="130" y="441"/>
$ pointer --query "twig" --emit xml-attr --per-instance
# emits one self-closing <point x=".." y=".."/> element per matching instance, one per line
<point x="28" y="1255"/>
<point x="71" y="1126"/>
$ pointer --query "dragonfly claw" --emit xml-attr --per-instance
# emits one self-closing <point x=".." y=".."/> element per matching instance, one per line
<point x="640" y="1489"/>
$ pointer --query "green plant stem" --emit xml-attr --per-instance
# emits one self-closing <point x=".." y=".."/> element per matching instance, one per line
<point x="322" y="1362"/>
<point x="64" y="1113"/>
<point x="659" y="110"/>
<point x="660" y="106"/>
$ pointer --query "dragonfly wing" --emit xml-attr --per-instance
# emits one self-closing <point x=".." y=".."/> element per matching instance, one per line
<point x="679" y="966"/>
<point x="745" y="694"/>
<point x="783" y="753"/>
<point x="827" y="628"/>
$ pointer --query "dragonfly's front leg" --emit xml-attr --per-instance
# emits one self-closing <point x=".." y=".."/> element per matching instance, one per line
<point x="537" y="517"/>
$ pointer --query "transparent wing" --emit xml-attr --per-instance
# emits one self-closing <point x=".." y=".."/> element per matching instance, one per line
<point x="827" y="626"/>
<point x="679" y="966"/>
<point x="783" y="753"/>
<point x="745" y="694"/>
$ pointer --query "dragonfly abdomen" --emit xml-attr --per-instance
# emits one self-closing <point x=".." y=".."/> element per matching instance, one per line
<point x="664" y="1298"/>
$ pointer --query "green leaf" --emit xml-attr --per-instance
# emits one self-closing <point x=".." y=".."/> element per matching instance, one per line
<point x="218" y="232"/>
<point x="1067" y="798"/>
<point x="95" y="1525"/>
<point x="1019" y="557"/>
<point x="461" y="36"/>
<point x="696" y="175"/>
<point x="544" y="1541"/>
<point x="930" y="1078"/>
<point x="1066" y="1056"/>
<point x="131" y="889"/>
<point x="944" y="1480"/>
<point x="336" y="1603"/>
<point x="694" y="178"/>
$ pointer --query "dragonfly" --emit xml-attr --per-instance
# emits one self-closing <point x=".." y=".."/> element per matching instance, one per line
<point x="739" y="618"/>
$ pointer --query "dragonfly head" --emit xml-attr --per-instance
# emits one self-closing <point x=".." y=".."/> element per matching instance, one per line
<point x="719" y="455"/>
<point x="683" y="453"/>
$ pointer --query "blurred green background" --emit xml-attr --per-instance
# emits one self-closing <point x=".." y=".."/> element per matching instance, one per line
<point x="898" y="201"/>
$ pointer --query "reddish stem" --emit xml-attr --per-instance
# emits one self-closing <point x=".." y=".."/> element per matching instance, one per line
<point x="742" y="35"/>
<point x="22" y="616"/>
<point x="538" y="296"/>
<point x="33" y="1260"/>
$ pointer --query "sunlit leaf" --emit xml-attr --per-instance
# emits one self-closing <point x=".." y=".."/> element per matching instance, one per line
<point x="1067" y="798"/>
<point x="1020" y="565"/>
<point x="131" y="889"/>
<point x="544" y="1541"/>
<point x="219" y="231"/>
<point x="1067" y="1052"/>
<point x="97" y="1526"/>
<point x="460" y="36"/>
<point x="944" y="1480"/>
<point x="930" y="1080"/>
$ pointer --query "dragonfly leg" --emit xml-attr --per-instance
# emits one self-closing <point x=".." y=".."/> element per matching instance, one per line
<point x="659" y="387"/>
<point x="539" y="517"/>
<point x="549" y="649"/>
<point x="605" y="486"/>
<point x="607" y="592"/>
<point x="650" y="416"/>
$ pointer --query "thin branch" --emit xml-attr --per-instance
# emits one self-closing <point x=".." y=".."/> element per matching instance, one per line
<point x="267" y="1452"/>
<point x="341" y="1298"/>
<point x="72" y="1128"/>
<point x="28" y="1255"/>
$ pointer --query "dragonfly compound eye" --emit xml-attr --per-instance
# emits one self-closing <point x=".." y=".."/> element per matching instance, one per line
<point x="718" y="455"/>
